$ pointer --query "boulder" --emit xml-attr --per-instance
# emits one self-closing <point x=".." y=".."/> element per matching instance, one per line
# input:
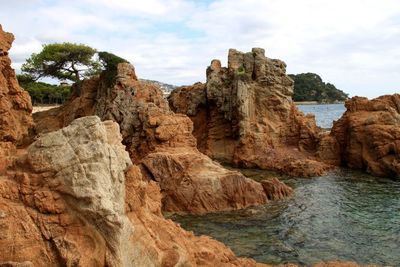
<point x="63" y="199"/>
<point x="244" y="115"/>
<point x="192" y="182"/>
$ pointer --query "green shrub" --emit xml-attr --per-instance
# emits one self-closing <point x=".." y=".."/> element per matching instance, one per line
<point x="110" y="63"/>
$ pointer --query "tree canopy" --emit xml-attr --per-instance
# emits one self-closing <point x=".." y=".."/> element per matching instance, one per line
<point x="63" y="61"/>
<point x="310" y="87"/>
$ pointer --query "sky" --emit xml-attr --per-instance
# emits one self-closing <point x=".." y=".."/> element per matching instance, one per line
<point x="354" y="44"/>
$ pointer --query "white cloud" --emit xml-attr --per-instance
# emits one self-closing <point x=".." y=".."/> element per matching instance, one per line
<point x="350" y="43"/>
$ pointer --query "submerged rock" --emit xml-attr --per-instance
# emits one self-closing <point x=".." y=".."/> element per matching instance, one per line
<point x="244" y="115"/>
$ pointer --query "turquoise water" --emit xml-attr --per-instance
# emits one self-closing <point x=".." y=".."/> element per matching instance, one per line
<point x="345" y="216"/>
<point x="324" y="114"/>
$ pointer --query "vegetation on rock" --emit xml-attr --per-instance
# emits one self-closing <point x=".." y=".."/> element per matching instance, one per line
<point x="310" y="87"/>
<point x="65" y="61"/>
<point x="110" y="63"/>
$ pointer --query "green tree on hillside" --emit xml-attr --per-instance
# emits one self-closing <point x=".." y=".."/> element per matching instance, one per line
<point x="44" y="93"/>
<point x="63" y="61"/>
<point x="310" y="87"/>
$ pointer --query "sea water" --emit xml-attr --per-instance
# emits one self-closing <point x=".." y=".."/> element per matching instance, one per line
<point x="343" y="216"/>
<point x="324" y="114"/>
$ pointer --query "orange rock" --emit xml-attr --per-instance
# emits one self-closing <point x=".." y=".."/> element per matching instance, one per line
<point x="160" y="141"/>
<point x="367" y="136"/>
<point x="73" y="205"/>
<point x="276" y="189"/>
<point x="15" y="103"/>
<point x="192" y="182"/>
<point x="244" y="115"/>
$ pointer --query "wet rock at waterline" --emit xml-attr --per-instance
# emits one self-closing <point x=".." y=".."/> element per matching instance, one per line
<point x="367" y="136"/>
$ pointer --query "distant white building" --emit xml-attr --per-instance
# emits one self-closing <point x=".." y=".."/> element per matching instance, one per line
<point x="64" y="83"/>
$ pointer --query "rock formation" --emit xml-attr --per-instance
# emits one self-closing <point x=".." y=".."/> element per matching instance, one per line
<point x="244" y="115"/>
<point x="74" y="198"/>
<point x="367" y="136"/>
<point x="63" y="204"/>
<point x="160" y="141"/>
<point x="15" y="106"/>
<point x="15" y="103"/>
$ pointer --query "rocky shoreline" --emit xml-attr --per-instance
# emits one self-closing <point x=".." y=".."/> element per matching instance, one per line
<point x="85" y="184"/>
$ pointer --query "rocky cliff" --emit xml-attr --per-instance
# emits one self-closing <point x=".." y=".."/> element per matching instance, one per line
<point x="244" y="115"/>
<point x="160" y="141"/>
<point x="367" y="136"/>
<point x="15" y="105"/>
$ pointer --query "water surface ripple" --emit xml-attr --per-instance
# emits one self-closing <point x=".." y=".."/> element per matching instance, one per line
<point x="346" y="216"/>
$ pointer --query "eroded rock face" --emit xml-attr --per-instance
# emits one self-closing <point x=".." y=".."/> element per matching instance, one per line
<point x="63" y="201"/>
<point x="194" y="183"/>
<point x="367" y="136"/>
<point x="162" y="239"/>
<point x="64" y="204"/>
<point x="15" y="103"/>
<point x="15" y="106"/>
<point x="276" y="189"/>
<point x="160" y="141"/>
<point x="244" y="115"/>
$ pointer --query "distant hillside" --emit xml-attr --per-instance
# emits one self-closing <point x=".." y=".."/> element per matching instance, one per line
<point x="310" y="87"/>
<point x="165" y="87"/>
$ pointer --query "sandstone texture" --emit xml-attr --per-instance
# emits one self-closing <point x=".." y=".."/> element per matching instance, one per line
<point x="367" y="136"/>
<point x="66" y="202"/>
<point x="15" y="103"/>
<point x="74" y="197"/>
<point x="63" y="200"/>
<point x="15" y="106"/>
<point x="244" y="115"/>
<point x="160" y="141"/>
